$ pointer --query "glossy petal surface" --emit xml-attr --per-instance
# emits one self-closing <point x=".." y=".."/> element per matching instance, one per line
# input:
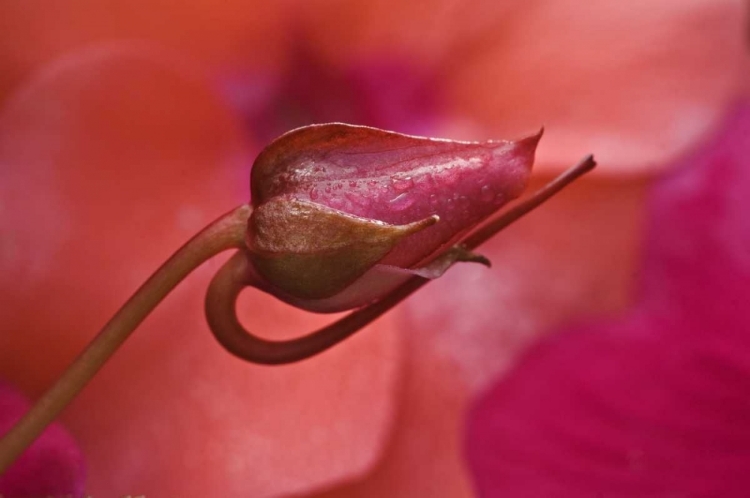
<point x="397" y="179"/>
<point x="653" y="404"/>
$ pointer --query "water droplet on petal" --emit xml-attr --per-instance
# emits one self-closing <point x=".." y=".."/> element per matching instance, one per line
<point x="336" y="202"/>
<point x="486" y="193"/>
<point x="356" y="198"/>
<point x="401" y="202"/>
<point x="313" y="194"/>
<point x="449" y="176"/>
<point x="401" y="183"/>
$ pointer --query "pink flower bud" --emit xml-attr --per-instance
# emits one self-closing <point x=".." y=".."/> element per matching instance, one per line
<point x="342" y="214"/>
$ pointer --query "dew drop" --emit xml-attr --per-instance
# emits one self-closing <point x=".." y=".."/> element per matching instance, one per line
<point x="335" y="202"/>
<point x="313" y="194"/>
<point x="434" y="200"/>
<point x="328" y="189"/>
<point x="352" y="184"/>
<point x="401" y="183"/>
<point x="499" y="199"/>
<point x="356" y="199"/>
<point x="401" y="202"/>
<point x="449" y="176"/>
<point x="486" y="193"/>
<point x="424" y="179"/>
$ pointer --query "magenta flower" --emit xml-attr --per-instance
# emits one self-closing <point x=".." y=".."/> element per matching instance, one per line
<point x="655" y="403"/>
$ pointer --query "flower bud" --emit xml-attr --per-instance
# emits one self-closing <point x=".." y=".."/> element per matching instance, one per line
<point x="342" y="213"/>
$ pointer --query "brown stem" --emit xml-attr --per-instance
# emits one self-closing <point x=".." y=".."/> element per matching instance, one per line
<point x="523" y="207"/>
<point x="222" y="319"/>
<point x="226" y="286"/>
<point x="225" y="233"/>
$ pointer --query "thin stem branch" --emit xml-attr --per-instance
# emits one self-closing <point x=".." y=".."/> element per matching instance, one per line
<point x="221" y="315"/>
<point x="523" y="207"/>
<point x="225" y="233"/>
<point x="226" y="286"/>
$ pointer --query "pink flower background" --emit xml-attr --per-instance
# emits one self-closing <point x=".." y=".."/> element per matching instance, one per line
<point x="127" y="126"/>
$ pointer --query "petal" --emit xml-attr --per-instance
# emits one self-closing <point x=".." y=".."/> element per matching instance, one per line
<point x="654" y="404"/>
<point x="310" y="251"/>
<point x="237" y="33"/>
<point x="615" y="410"/>
<point x="424" y="457"/>
<point x="110" y="161"/>
<point x="699" y="232"/>
<point x="52" y="465"/>
<point x="634" y="83"/>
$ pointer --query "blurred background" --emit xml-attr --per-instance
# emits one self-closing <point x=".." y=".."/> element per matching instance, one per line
<point x="126" y="126"/>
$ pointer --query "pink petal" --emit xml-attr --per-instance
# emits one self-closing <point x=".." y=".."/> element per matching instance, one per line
<point x="110" y="161"/>
<point x="53" y="465"/>
<point x="654" y="404"/>
<point x="699" y="232"/>
<point x="636" y="83"/>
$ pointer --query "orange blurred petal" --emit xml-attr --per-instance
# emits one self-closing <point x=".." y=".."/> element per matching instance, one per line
<point x="633" y="82"/>
<point x="219" y="35"/>
<point x="110" y="160"/>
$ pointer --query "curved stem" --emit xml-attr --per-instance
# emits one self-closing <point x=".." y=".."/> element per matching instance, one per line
<point x="222" y="319"/>
<point x="232" y="278"/>
<point x="225" y="233"/>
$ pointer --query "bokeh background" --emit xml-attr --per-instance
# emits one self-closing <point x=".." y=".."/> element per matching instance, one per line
<point x="126" y="126"/>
